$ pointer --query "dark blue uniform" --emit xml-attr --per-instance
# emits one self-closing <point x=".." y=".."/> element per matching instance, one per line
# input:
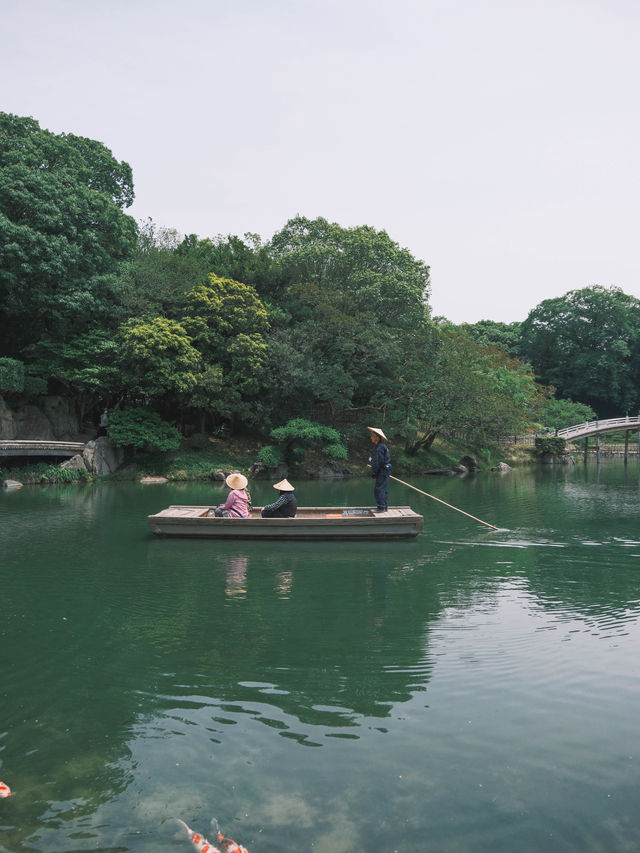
<point x="381" y="469"/>
<point x="285" y="507"/>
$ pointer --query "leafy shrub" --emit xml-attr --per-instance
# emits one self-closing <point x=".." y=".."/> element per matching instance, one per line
<point x="297" y="436"/>
<point x="554" y="444"/>
<point x="45" y="472"/>
<point x="142" y="429"/>
<point x="270" y="456"/>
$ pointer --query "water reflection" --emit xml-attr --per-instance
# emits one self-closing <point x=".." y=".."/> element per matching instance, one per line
<point x="137" y="665"/>
<point x="236" y="577"/>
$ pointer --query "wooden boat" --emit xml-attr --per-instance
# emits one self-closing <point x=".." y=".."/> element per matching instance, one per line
<point x="311" y="522"/>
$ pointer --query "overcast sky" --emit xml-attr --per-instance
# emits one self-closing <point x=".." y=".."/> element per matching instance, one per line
<point x="497" y="140"/>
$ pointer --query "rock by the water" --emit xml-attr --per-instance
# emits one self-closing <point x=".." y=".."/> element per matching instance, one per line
<point x="11" y="484"/>
<point x="470" y="463"/>
<point x="333" y="470"/>
<point x="259" y="471"/>
<point x="501" y="468"/>
<point x="101" y="457"/>
<point x="76" y="462"/>
<point x="148" y="481"/>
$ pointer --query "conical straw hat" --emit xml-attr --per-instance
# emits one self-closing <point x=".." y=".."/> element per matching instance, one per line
<point x="236" y="481"/>
<point x="378" y="432"/>
<point x="284" y="486"/>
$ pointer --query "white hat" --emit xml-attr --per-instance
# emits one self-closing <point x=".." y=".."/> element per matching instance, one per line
<point x="284" y="486"/>
<point x="236" y="481"/>
<point x="378" y="432"/>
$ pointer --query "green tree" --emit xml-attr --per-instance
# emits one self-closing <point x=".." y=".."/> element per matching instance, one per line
<point x="227" y="321"/>
<point x="159" y="276"/>
<point x="84" y="368"/>
<point x="63" y="232"/>
<point x="375" y="275"/>
<point x="157" y="359"/>
<point x="472" y="390"/>
<point x="559" y="414"/>
<point x="11" y="375"/>
<point x="587" y="345"/>
<point x="505" y="335"/>
<point x="352" y="302"/>
<point x="294" y="440"/>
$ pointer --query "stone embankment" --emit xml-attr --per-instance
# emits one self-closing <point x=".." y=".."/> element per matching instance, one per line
<point x="53" y="419"/>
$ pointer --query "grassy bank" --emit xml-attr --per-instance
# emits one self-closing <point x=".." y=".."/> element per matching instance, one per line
<point x="206" y="459"/>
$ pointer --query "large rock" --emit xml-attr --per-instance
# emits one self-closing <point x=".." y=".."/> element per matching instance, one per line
<point x="76" y="461"/>
<point x="59" y="411"/>
<point x="470" y="463"/>
<point x="11" y="484"/>
<point x="331" y="469"/>
<point x="32" y="424"/>
<point x="101" y="457"/>
<point x="259" y="471"/>
<point x="51" y="418"/>
<point x="7" y="423"/>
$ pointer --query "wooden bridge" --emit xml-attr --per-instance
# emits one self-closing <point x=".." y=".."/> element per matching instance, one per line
<point x="40" y="448"/>
<point x="591" y="429"/>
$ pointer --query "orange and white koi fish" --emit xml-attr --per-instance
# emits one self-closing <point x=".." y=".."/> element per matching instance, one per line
<point x="226" y="844"/>
<point x="203" y="846"/>
<point x="199" y="841"/>
<point x="5" y="791"/>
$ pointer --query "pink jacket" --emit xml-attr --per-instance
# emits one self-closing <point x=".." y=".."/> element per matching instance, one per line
<point x="236" y="503"/>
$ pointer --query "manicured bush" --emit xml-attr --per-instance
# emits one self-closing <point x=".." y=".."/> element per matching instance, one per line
<point x="553" y="444"/>
<point x="142" y="429"/>
<point x="296" y="437"/>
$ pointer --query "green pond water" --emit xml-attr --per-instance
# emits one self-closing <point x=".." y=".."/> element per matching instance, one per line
<point x="468" y="690"/>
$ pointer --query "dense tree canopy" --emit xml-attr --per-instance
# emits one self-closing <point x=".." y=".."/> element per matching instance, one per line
<point x="63" y="233"/>
<point x="505" y="335"/>
<point x="587" y="345"/>
<point x="321" y="327"/>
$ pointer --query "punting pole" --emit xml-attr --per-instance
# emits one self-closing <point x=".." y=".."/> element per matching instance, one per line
<point x="426" y="494"/>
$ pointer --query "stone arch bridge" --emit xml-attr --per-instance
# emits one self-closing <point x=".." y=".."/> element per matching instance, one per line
<point x="14" y="447"/>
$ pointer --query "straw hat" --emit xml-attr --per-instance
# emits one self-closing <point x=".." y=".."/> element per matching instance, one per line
<point x="236" y="481"/>
<point x="378" y="432"/>
<point x="284" y="486"/>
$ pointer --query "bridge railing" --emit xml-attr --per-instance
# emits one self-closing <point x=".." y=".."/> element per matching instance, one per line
<point x="579" y="430"/>
<point x="594" y="427"/>
<point x="25" y="447"/>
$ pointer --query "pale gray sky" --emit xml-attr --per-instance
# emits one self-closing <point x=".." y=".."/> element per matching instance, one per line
<point x="497" y="140"/>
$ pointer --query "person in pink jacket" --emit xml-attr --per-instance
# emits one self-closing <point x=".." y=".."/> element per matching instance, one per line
<point x="237" y="502"/>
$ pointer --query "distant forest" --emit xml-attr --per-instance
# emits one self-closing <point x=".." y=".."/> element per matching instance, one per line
<point x="232" y="334"/>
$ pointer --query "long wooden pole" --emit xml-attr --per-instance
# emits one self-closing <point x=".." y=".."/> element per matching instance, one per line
<point x="426" y="494"/>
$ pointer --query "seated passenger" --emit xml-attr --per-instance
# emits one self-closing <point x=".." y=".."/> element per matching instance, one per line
<point x="285" y="506"/>
<point x="237" y="502"/>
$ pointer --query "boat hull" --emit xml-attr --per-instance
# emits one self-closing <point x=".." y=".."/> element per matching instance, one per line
<point x="399" y="522"/>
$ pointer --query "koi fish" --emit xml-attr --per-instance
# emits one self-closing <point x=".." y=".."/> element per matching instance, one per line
<point x="5" y="791"/>
<point x="203" y="846"/>
<point x="227" y="844"/>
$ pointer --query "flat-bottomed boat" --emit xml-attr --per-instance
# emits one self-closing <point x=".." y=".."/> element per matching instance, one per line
<point x="310" y="522"/>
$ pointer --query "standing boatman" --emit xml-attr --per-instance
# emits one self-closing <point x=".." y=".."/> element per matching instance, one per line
<point x="380" y="461"/>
